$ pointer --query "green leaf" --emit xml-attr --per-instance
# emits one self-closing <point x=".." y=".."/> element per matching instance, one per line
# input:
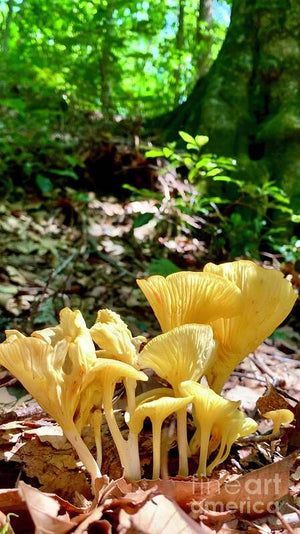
<point x="201" y="140"/>
<point x="213" y="172"/>
<point x="65" y="172"/>
<point x="162" y="266"/>
<point x="44" y="184"/>
<point x="154" y="153"/>
<point x="142" y="219"/>
<point x="167" y="152"/>
<point x="187" y="137"/>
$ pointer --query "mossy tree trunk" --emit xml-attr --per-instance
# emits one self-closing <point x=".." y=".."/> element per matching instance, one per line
<point x="248" y="103"/>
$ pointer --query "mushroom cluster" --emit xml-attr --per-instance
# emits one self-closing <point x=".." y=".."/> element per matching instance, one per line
<point x="210" y="321"/>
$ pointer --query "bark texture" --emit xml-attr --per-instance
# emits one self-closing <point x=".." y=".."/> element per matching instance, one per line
<point x="249" y="103"/>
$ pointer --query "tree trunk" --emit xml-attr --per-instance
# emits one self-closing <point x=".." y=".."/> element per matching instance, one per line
<point x="179" y="44"/>
<point x="248" y="103"/>
<point x="203" y="33"/>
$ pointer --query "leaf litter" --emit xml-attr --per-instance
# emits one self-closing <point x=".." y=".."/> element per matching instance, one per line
<point x="76" y="252"/>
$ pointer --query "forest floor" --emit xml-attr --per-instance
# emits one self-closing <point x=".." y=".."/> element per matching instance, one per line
<point x="83" y="251"/>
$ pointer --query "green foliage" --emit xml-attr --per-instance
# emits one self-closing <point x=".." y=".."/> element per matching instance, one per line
<point x="65" y="66"/>
<point x="237" y="217"/>
<point x="162" y="266"/>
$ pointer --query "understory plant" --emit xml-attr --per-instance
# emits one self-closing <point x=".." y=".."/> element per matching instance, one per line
<point x="210" y="321"/>
<point x="219" y="203"/>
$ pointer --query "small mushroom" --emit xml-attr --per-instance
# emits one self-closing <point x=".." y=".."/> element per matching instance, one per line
<point x="157" y="411"/>
<point x="279" y="417"/>
<point x="181" y="354"/>
<point x="190" y="297"/>
<point x="228" y="430"/>
<point x="267" y="298"/>
<point x="209" y="408"/>
<point x="116" y="342"/>
<point x="103" y="377"/>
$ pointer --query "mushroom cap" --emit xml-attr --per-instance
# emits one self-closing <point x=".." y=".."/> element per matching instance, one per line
<point x="279" y="417"/>
<point x="180" y="354"/>
<point x="115" y="339"/>
<point x="73" y="331"/>
<point x="39" y="367"/>
<point x="190" y="297"/>
<point x="209" y="407"/>
<point x="108" y="371"/>
<point x="154" y="394"/>
<point x="157" y="410"/>
<point x="267" y="298"/>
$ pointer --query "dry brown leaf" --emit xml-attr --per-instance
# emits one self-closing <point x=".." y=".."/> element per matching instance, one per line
<point x="94" y="519"/>
<point x="272" y="400"/>
<point x="157" y="516"/>
<point x="183" y="491"/>
<point x="44" y="511"/>
<point x="255" y="492"/>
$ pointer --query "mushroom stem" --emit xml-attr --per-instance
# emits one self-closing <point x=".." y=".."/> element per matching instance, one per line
<point x="128" y="450"/>
<point x="83" y="452"/>
<point x="156" y="437"/>
<point x="130" y="386"/>
<point x="222" y="453"/>
<point x="97" y="421"/>
<point x="182" y="442"/>
<point x="204" y="442"/>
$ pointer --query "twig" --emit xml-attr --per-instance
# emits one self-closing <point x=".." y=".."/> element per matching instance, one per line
<point x="261" y="366"/>
<point x="108" y="259"/>
<point x="249" y="377"/>
<point x="285" y="524"/>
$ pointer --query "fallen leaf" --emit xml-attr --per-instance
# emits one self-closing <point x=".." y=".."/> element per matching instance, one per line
<point x="272" y="400"/>
<point x="44" y="511"/>
<point x="157" y="516"/>
<point x="254" y="493"/>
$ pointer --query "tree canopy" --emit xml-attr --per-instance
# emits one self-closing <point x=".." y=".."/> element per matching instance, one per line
<point x="119" y="57"/>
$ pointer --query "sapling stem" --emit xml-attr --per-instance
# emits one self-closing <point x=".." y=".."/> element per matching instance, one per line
<point x="83" y="452"/>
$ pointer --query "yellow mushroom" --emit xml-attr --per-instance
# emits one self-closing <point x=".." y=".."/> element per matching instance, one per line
<point x="157" y="411"/>
<point x="114" y="338"/>
<point x="279" y="417"/>
<point x="267" y="298"/>
<point x="52" y="374"/>
<point x="209" y="409"/>
<point x="190" y="297"/>
<point x="73" y="333"/>
<point x="183" y="353"/>
<point x="228" y="430"/>
<point x="102" y="377"/>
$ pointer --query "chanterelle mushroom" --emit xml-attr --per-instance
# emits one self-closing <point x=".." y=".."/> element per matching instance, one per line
<point x="190" y="297"/>
<point x="267" y="298"/>
<point x="157" y="410"/>
<point x="183" y="353"/>
<point x="278" y="417"/>
<point x="210" y="409"/>
<point x="51" y="366"/>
